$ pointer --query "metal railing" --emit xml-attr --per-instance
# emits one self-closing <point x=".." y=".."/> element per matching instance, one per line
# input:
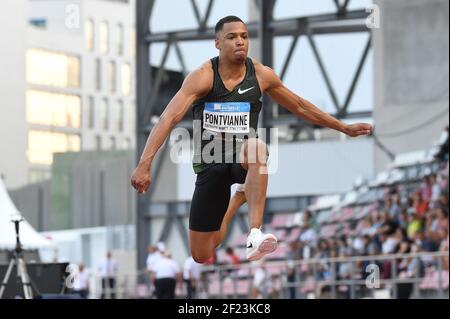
<point x="301" y="279"/>
<point x="307" y="278"/>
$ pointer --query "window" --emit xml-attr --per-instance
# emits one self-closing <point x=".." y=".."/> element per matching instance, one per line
<point x="53" y="109"/>
<point x="119" y="115"/>
<point x="90" y="112"/>
<point x="98" y="74"/>
<point x="89" y="34"/>
<point x="36" y="175"/>
<point x="119" y="39"/>
<point x="112" y="76"/>
<point x="52" y="69"/>
<point x="42" y="145"/>
<point x="126" y="79"/>
<point x="104" y="38"/>
<point x="104" y="114"/>
<point x="132" y="46"/>
<point x="98" y="143"/>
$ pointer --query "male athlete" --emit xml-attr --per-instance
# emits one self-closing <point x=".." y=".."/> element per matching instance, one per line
<point x="225" y="95"/>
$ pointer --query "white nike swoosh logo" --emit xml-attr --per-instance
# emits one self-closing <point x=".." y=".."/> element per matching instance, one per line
<point x="245" y="91"/>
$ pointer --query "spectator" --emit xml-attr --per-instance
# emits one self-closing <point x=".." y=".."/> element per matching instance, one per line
<point x="414" y="226"/>
<point x="426" y="188"/>
<point x="81" y="282"/>
<point x="191" y="276"/>
<point x="437" y="225"/>
<point x="444" y="248"/>
<point x="420" y="204"/>
<point x="232" y="257"/>
<point x="404" y="289"/>
<point x="403" y="219"/>
<point x="167" y="273"/>
<point x="395" y="209"/>
<point x="443" y="203"/>
<point x="436" y="191"/>
<point x="308" y="236"/>
<point x="108" y="272"/>
<point x="292" y="278"/>
<point x="154" y="254"/>
<point x="261" y="281"/>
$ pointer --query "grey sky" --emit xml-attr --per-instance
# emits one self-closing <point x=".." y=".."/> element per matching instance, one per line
<point x="340" y="53"/>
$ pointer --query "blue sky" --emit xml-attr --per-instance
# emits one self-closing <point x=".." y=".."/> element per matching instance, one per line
<point x="340" y="53"/>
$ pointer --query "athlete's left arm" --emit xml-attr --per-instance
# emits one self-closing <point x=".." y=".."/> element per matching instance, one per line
<point x="272" y="85"/>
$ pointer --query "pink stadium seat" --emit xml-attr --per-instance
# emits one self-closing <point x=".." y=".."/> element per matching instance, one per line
<point x="240" y="240"/>
<point x="431" y="280"/>
<point x="294" y="234"/>
<point x="281" y="220"/>
<point x="280" y="253"/>
<point x="308" y="286"/>
<point x="281" y="234"/>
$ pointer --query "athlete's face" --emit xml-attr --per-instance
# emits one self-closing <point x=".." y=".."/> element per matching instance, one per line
<point x="233" y="42"/>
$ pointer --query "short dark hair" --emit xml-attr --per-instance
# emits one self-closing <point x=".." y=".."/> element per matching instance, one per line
<point x="228" y="19"/>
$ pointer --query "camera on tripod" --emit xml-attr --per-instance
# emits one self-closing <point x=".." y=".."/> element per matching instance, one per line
<point x="19" y="262"/>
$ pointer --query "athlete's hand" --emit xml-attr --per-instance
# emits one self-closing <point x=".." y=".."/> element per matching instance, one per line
<point x="141" y="179"/>
<point x="354" y="130"/>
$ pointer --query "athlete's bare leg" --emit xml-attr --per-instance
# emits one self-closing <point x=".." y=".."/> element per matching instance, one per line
<point x="236" y="202"/>
<point x="255" y="155"/>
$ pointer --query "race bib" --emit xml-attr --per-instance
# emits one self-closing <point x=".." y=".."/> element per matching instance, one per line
<point x="231" y="117"/>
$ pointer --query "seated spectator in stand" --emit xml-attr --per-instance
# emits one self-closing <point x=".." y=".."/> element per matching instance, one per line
<point x="436" y="191"/>
<point x="395" y="208"/>
<point x="403" y="219"/>
<point x="274" y="291"/>
<point x="437" y="225"/>
<point x="426" y="188"/>
<point x="322" y="250"/>
<point x="294" y="252"/>
<point x="444" y="248"/>
<point x="443" y="203"/>
<point x="233" y="260"/>
<point x="424" y="243"/>
<point x="343" y="247"/>
<point x="308" y="237"/>
<point x="292" y="278"/>
<point x="376" y="222"/>
<point x="345" y="270"/>
<point x="364" y="226"/>
<point x="420" y="204"/>
<point x="404" y="289"/>
<point x="415" y="224"/>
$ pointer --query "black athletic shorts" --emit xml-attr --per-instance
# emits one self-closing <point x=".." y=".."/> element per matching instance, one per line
<point x="212" y="195"/>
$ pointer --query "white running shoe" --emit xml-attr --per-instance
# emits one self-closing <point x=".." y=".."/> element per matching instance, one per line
<point x="259" y="244"/>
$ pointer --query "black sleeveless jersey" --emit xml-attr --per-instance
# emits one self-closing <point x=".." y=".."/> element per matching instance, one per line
<point x="224" y="119"/>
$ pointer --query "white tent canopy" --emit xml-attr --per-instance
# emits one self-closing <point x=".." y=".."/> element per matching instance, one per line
<point x="29" y="237"/>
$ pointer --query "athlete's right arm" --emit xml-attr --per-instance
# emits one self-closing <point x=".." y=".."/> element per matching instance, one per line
<point x="196" y="85"/>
